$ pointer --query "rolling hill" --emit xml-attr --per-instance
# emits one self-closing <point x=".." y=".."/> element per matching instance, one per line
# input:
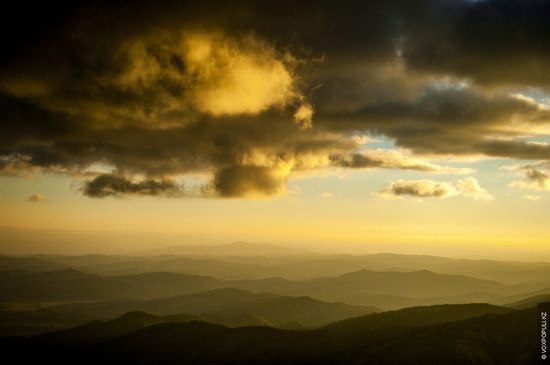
<point x="388" y="289"/>
<point x="73" y="285"/>
<point x="415" y="317"/>
<point x="458" y="335"/>
<point x="530" y="302"/>
<point x="231" y="307"/>
<point x="98" y="331"/>
<point x="254" y="261"/>
<point x="15" y="263"/>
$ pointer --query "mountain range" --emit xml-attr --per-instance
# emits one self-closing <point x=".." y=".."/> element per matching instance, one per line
<point x="450" y="334"/>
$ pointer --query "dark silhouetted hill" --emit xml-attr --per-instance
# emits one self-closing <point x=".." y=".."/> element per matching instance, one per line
<point x="415" y="317"/>
<point x="412" y="337"/>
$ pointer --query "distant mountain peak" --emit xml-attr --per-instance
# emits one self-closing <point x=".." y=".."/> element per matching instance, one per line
<point x="136" y="316"/>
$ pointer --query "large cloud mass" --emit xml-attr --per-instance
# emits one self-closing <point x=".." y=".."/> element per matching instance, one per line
<point x="246" y="94"/>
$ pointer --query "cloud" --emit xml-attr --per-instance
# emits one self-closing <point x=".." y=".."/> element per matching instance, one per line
<point x="304" y="116"/>
<point x="468" y="187"/>
<point x="249" y="181"/>
<point x="392" y="159"/>
<point x="169" y="77"/>
<point x="455" y="122"/>
<point x="495" y="42"/>
<point x="535" y="180"/>
<point x="541" y="178"/>
<point x="112" y="185"/>
<point x="251" y="94"/>
<point x="16" y="166"/>
<point x="37" y="198"/>
<point x="537" y="175"/>
<point x="418" y="188"/>
<point x="242" y="76"/>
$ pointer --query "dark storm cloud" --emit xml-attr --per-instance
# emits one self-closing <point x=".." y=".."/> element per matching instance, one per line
<point x="492" y="40"/>
<point x="499" y="42"/>
<point x="229" y="89"/>
<point x="454" y="121"/>
<point x="112" y="185"/>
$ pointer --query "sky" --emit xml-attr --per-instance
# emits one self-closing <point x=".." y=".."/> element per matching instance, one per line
<point x="388" y="126"/>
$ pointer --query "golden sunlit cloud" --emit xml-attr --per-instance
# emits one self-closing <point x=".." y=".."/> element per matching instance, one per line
<point x="237" y="76"/>
<point x="170" y="76"/>
<point x="304" y="116"/>
<point x="469" y="187"/>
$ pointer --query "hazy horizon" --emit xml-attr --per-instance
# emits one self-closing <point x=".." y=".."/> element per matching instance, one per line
<point x="21" y="241"/>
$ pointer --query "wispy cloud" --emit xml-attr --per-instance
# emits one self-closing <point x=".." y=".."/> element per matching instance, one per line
<point x="536" y="176"/>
